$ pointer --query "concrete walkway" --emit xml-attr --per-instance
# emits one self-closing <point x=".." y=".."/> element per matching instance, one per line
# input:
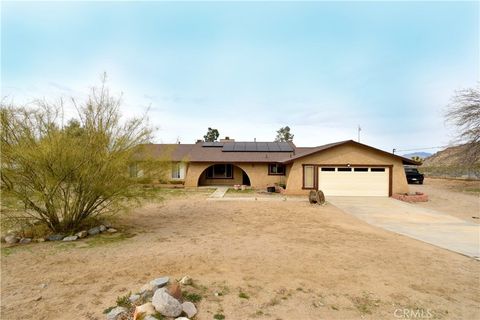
<point x="219" y="193"/>
<point x="423" y="224"/>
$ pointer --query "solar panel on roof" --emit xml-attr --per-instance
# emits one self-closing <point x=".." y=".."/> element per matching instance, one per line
<point x="262" y="146"/>
<point x="212" y="144"/>
<point x="273" y="147"/>
<point x="238" y="146"/>
<point x="257" y="147"/>
<point x="228" y="146"/>
<point x="285" y="146"/>
<point x="251" y="146"/>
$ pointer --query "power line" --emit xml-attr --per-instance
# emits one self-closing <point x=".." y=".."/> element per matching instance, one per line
<point x="416" y="149"/>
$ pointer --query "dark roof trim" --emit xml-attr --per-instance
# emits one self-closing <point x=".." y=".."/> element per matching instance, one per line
<point x="333" y="145"/>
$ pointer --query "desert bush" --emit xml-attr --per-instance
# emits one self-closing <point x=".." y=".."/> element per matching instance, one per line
<point x="62" y="174"/>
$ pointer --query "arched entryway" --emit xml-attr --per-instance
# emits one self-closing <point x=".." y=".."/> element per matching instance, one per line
<point x="223" y="174"/>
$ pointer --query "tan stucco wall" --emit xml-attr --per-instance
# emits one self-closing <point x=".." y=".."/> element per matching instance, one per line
<point x="347" y="154"/>
<point x="257" y="173"/>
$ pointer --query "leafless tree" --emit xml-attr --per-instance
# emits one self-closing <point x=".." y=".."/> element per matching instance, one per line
<point x="464" y="113"/>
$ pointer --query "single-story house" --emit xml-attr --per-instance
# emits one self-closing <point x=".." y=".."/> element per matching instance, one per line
<point x="345" y="168"/>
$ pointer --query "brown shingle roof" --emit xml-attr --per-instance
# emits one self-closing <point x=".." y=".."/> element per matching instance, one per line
<point x="198" y="153"/>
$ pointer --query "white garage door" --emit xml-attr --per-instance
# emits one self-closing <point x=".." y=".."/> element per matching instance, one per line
<point x="357" y="181"/>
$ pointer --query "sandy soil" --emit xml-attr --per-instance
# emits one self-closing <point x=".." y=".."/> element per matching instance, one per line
<point x="451" y="197"/>
<point x="293" y="261"/>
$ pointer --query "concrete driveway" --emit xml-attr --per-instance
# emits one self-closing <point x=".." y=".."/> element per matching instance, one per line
<point x="423" y="224"/>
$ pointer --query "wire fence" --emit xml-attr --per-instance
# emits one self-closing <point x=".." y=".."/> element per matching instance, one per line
<point x="456" y="172"/>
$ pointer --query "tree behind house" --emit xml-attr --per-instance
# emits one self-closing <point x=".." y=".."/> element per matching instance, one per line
<point x="212" y="135"/>
<point x="65" y="174"/>
<point x="283" y="135"/>
<point x="464" y="113"/>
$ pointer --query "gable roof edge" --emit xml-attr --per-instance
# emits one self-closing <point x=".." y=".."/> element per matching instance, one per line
<point x="336" y="144"/>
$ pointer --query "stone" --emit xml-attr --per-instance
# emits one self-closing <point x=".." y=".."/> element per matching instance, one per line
<point x="40" y="240"/>
<point x="111" y="230"/>
<point x="10" y="239"/>
<point x="93" y="231"/>
<point x="134" y="297"/>
<point x="189" y="309"/>
<point x="116" y="313"/>
<point x="38" y="298"/>
<point x="102" y="228"/>
<point x="181" y="318"/>
<point x="166" y="304"/>
<point x="25" y="240"/>
<point x="175" y="291"/>
<point x="150" y="318"/>
<point x="143" y="311"/>
<point x="43" y="285"/>
<point x="82" y="234"/>
<point x="55" y="237"/>
<point x="70" y="238"/>
<point x="147" y="287"/>
<point x="186" y="281"/>
<point x="159" y="282"/>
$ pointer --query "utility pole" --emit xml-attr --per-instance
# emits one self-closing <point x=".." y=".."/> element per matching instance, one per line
<point x="359" y="129"/>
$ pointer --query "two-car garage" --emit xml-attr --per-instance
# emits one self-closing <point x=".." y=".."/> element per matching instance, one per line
<point x="354" y="180"/>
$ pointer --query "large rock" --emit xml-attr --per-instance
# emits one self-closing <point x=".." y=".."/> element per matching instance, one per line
<point x="102" y="228"/>
<point x="25" y="240"/>
<point x="166" y="304"/>
<point x="11" y="239"/>
<point x="55" y="237"/>
<point x="147" y="287"/>
<point x="94" y="231"/>
<point x="189" y="309"/>
<point x="111" y="230"/>
<point x="70" y="238"/>
<point x="143" y="311"/>
<point x="134" y="297"/>
<point x="159" y="282"/>
<point x="116" y="313"/>
<point x="82" y="234"/>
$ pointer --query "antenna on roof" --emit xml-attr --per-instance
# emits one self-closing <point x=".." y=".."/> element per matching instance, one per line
<point x="359" y="129"/>
<point x="254" y="139"/>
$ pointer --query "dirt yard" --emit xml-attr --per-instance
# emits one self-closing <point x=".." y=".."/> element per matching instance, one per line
<point x="458" y="198"/>
<point x="287" y="260"/>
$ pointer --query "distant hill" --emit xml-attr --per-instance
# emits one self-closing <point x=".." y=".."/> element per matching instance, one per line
<point x="422" y="155"/>
<point x="451" y="156"/>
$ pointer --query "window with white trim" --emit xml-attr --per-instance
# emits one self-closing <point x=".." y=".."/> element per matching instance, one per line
<point x="176" y="171"/>
<point x="308" y="177"/>
<point x="276" y="169"/>
<point x="220" y="171"/>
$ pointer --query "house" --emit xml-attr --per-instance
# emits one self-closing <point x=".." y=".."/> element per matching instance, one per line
<point x="345" y="168"/>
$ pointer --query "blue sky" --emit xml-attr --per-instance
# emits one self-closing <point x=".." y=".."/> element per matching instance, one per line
<point x="248" y="68"/>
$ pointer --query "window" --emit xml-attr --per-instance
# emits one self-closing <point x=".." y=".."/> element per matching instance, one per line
<point x="328" y="169"/>
<point x="360" y="169"/>
<point x="176" y="171"/>
<point x="344" y="169"/>
<point x="220" y="171"/>
<point x="377" y="169"/>
<point x="308" y="177"/>
<point x="133" y="170"/>
<point x="276" y="169"/>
